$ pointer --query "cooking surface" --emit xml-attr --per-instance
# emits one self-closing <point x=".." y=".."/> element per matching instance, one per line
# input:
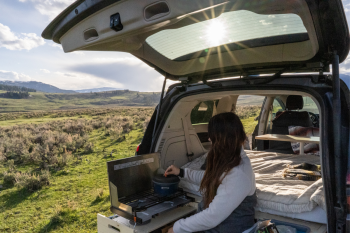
<point x="132" y="195"/>
<point x="147" y="204"/>
<point x="162" y="207"/>
<point x="147" y="199"/>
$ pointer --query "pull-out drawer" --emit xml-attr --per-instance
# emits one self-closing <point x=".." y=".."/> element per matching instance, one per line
<point x="122" y="225"/>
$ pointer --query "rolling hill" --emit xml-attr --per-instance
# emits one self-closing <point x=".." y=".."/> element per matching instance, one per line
<point x="101" y="89"/>
<point x="39" y="86"/>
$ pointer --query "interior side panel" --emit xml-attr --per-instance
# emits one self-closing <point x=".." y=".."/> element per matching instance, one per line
<point x="174" y="149"/>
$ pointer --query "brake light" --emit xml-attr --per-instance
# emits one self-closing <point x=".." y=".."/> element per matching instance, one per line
<point x="138" y="148"/>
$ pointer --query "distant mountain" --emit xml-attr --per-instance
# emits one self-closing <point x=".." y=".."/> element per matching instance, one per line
<point x="39" y="86"/>
<point x="101" y="89"/>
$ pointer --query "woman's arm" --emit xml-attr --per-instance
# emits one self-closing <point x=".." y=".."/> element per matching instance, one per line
<point x="234" y="189"/>
<point x="193" y="176"/>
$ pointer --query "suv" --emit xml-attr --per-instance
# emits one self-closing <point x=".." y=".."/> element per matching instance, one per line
<point x="217" y="51"/>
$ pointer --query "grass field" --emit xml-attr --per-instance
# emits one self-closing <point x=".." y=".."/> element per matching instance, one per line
<point x="73" y="198"/>
<point x="78" y="189"/>
<point x="44" y="101"/>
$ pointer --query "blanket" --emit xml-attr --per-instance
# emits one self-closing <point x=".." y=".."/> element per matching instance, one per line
<point x="275" y="192"/>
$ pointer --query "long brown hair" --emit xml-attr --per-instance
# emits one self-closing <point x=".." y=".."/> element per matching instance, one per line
<point x="227" y="135"/>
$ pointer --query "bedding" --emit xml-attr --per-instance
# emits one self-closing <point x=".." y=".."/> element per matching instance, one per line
<point x="309" y="148"/>
<point x="275" y="192"/>
<point x="316" y="215"/>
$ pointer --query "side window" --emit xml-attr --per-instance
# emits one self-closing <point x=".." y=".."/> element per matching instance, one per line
<point x="310" y="105"/>
<point x="277" y="107"/>
<point x="202" y="113"/>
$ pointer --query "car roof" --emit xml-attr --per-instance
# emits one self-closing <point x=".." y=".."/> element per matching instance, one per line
<point x="209" y="38"/>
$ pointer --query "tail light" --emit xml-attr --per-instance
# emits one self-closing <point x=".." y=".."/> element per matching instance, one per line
<point x="138" y="148"/>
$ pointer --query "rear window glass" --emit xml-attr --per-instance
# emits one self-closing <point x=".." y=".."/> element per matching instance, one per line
<point x="228" y="28"/>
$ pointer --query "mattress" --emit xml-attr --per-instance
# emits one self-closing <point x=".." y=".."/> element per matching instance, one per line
<point x="285" y="195"/>
<point x="317" y="215"/>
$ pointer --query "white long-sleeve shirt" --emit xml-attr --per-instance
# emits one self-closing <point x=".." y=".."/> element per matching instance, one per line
<point x="235" y="187"/>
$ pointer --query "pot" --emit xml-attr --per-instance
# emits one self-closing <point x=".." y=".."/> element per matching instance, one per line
<point x="165" y="186"/>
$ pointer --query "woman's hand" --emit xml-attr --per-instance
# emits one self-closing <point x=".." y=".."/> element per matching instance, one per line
<point x="172" y="170"/>
<point x="170" y="230"/>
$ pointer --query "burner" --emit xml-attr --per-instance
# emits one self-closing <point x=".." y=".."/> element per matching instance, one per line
<point x="148" y="204"/>
<point x="146" y="199"/>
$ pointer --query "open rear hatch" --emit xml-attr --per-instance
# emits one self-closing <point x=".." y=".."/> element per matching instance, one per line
<point x="219" y="38"/>
<point x="208" y="39"/>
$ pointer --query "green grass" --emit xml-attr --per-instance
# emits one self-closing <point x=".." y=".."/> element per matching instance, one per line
<point x="75" y="194"/>
<point x="249" y="124"/>
<point x="45" y="101"/>
<point x="73" y="199"/>
<point x="35" y="120"/>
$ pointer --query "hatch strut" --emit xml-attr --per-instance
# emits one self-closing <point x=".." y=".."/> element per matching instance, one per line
<point x="339" y="179"/>
<point x="158" y="111"/>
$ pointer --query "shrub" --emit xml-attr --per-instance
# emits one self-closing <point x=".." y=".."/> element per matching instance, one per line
<point x="32" y="182"/>
<point x="247" y="111"/>
<point x="11" y="165"/>
<point x="52" y="143"/>
<point x="115" y="132"/>
<point x="89" y="147"/>
<point x="9" y="178"/>
<point x="64" y="159"/>
<point x="99" y="193"/>
<point x="145" y="123"/>
<point x="2" y="157"/>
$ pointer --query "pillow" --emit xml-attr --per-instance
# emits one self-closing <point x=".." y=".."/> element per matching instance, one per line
<point x="309" y="148"/>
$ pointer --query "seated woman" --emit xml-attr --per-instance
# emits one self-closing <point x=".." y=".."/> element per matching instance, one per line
<point x="227" y="184"/>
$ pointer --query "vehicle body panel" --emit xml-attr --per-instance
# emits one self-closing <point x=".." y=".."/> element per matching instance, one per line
<point x="324" y="21"/>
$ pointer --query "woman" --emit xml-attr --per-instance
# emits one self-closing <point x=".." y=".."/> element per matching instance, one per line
<point x="227" y="184"/>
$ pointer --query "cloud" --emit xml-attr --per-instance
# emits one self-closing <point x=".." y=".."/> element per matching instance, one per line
<point x="13" y="76"/>
<point x="66" y="74"/>
<point x="132" y="73"/>
<point x="77" y="81"/>
<point x="344" y="68"/>
<point x="11" y="41"/>
<point x="78" y="53"/>
<point x="45" y="71"/>
<point x="53" y="44"/>
<point x="50" y="8"/>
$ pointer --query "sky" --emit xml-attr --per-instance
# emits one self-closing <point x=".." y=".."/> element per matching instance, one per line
<point x="25" y="56"/>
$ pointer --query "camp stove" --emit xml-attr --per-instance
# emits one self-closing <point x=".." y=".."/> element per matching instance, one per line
<point x="133" y="200"/>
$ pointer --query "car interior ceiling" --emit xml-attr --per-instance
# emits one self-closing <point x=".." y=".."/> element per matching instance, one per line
<point x="173" y="142"/>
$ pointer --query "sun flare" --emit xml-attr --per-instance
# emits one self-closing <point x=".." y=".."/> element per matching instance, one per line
<point x="215" y="32"/>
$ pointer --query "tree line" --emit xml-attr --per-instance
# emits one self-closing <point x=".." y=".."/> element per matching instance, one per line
<point x="4" y="87"/>
<point x="15" y="95"/>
